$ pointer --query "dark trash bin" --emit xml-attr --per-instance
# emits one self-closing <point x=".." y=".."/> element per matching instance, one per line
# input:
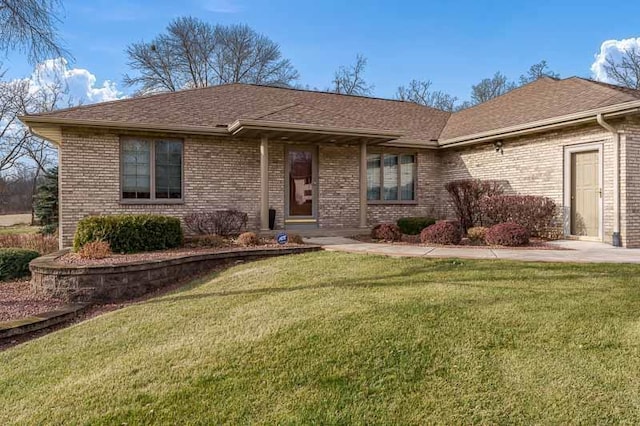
<point x="272" y="219"/>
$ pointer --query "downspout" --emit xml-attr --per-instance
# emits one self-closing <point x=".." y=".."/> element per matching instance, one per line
<point x="617" y="241"/>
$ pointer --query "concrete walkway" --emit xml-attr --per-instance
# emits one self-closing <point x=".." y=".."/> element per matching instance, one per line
<point x="568" y="251"/>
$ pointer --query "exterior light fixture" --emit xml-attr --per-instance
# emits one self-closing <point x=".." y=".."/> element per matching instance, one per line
<point x="498" y="146"/>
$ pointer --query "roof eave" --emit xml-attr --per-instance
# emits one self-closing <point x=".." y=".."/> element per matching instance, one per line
<point x="411" y="143"/>
<point x="240" y="125"/>
<point x="35" y="121"/>
<point x="543" y="125"/>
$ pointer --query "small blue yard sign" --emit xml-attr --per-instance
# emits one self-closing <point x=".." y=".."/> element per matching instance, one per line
<point x="282" y="238"/>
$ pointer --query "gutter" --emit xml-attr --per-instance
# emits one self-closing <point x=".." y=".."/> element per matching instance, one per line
<point x="617" y="241"/>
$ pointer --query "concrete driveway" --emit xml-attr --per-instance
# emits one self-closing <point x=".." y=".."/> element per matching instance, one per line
<point x="568" y="251"/>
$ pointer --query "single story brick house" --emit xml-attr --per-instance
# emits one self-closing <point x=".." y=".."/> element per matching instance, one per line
<point x="327" y="161"/>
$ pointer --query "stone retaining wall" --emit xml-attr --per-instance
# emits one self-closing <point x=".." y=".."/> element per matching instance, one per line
<point x="102" y="283"/>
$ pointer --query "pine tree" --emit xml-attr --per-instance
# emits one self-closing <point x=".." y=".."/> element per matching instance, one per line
<point x="46" y="201"/>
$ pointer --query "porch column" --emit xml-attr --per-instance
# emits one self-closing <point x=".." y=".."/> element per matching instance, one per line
<point x="363" y="184"/>
<point x="264" y="183"/>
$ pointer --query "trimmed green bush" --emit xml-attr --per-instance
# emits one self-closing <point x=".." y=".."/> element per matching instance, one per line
<point x="130" y="233"/>
<point x="414" y="225"/>
<point x="14" y="262"/>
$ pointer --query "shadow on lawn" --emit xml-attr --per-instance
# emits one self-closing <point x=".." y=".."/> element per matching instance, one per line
<point x="440" y="272"/>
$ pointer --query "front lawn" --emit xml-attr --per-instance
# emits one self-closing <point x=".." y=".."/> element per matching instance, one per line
<point x="343" y="338"/>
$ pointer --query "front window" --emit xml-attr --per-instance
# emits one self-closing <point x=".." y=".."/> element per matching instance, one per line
<point x="151" y="169"/>
<point x="391" y="177"/>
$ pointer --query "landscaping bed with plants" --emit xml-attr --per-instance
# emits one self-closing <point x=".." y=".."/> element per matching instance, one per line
<point x="412" y="240"/>
<point x="122" y="256"/>
<point x="17" y="250"/>
<point x="99" y="253"/>
<point x="120" y="239"/>
<point x="485" y="217"/>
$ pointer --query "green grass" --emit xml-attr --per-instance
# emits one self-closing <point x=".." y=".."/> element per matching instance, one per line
<point x="341" y="338"/>
<point x="18" y="229"/>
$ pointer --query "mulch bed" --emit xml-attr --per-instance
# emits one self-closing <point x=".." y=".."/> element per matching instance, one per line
<point x="17" y="301"/>
<point x="99" y="309"/>
<point x="534" y="244"/>
<point x="115" y="259"/>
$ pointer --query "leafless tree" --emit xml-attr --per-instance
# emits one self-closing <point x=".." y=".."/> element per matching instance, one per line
<point x="349" y="80"/>
<point x="24" y="156"/>
<point x="43" y="95"/>
<point x="625" y="71"/>
<point x="536" y="71"/>
<point x="29" y="26"/>
<point x="13" y="136"/>
<point x="490" y="88"/>
<point x="420" y="92"/>
<point x="498" y="85"/>
<point x="463" y="105"/>
<point x="16" y="192"/>
<point x="27" y="96"/>
<point x="194" y="53"/>
<point x="251" y="57"/>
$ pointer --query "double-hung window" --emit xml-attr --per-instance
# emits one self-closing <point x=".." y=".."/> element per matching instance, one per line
<point x="151" y="170"/>
<point x="391" y="177"/>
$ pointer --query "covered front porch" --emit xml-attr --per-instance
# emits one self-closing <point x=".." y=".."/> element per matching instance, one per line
<point x="314" y="178"/>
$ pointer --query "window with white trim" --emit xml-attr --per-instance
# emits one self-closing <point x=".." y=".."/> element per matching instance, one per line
<point x="391" y="177"/>
<point x="151" y="170"/>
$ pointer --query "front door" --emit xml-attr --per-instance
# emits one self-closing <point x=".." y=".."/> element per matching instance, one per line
<point x="585" y="194"/>
<point x="301" y="186"/>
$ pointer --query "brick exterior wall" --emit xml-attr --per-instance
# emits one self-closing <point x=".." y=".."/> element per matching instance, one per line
<point x="224" y="173"/>
<point x="218" y="174"/>
<point x="531" y="165"/>
<point x="338" y="186"/>
<point x="630" y="182"/>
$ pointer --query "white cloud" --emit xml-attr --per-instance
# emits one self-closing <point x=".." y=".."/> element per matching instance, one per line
<point x="611" y="49"/>
<point x="79" y="84"/>
<point x="221" y="6"/>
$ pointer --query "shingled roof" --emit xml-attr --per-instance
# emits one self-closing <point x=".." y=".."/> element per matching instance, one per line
<point x="544" y="98"/>
<point x="218" y="107"/>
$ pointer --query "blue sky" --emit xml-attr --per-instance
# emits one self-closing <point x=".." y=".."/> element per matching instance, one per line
<point x="454" y="44"/>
